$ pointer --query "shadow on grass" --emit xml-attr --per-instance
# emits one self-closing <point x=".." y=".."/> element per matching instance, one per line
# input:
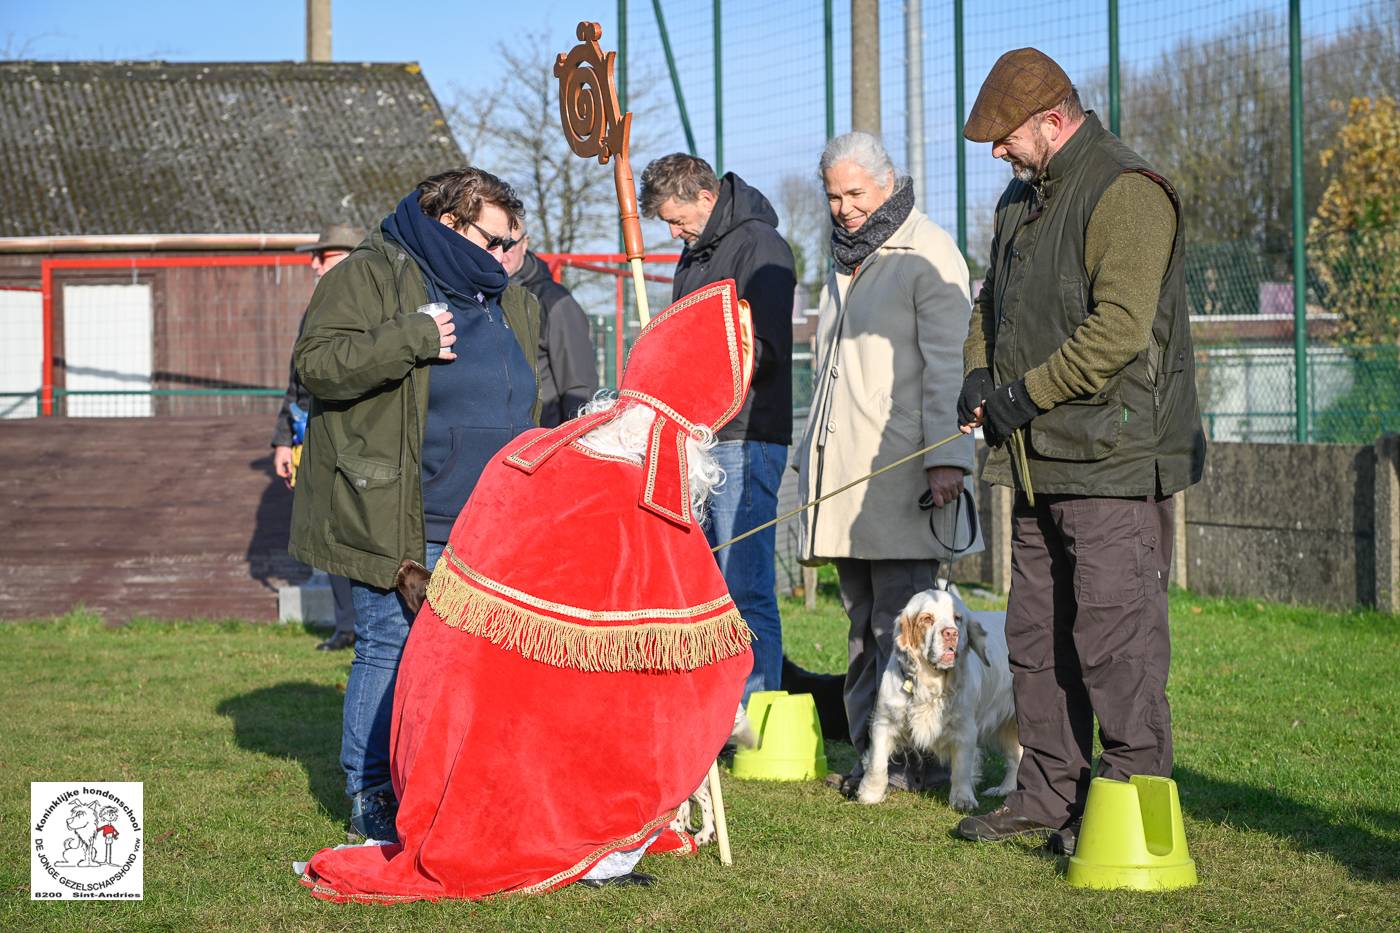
<point x="300" y="721"/>
<point x="1367" y="855"/>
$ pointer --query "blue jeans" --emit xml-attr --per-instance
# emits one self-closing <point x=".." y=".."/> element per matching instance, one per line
<point x="382" y="622"/>
<point x="747" y="499"/>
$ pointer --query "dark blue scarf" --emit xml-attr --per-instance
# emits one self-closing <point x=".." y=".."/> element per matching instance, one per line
<point x="452" y="263"/>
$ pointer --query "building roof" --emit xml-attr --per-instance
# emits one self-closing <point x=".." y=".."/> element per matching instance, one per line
<point x="102" y="148"/>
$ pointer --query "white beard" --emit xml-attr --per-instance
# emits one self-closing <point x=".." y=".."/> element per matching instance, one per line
<point x="627" y="435"/>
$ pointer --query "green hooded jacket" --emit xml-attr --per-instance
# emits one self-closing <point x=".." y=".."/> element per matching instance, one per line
<point x="363" y="355"/>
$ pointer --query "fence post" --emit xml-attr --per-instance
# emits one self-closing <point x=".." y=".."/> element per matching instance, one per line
<point x="865" y="65"/>
<point x="1003" y="497"/>
<point x="1179" y="562"/>
<point x="1300" y="261"/>
<point x="828" y="43"/>
<point x="961" y="151"/>
<point x="1114" y="84"/>
<point x="1387" y="523"/>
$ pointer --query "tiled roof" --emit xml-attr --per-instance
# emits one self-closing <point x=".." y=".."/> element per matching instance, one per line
<point x="92" y="148"/>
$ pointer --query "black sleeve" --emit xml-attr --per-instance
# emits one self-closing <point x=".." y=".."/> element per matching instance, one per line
<point x="571" y="356"/>
<point x="767" y="280"/>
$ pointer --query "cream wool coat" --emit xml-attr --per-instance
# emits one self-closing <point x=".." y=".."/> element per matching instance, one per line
<point x="889" y="369"/>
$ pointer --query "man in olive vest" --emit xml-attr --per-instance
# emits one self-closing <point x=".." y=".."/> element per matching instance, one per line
<point x="1078" y="368"/>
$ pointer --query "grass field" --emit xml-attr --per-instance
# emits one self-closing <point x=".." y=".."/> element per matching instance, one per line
<point x="1286" y="759"/>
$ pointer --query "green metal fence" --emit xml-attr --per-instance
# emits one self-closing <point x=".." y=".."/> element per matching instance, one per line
<point x="1245" y="104"/>
<point x="1235" y="101"/>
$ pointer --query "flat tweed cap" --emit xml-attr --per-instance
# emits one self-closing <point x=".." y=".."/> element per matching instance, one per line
<point x="1022" y="82"/>
<point x="335" y="236"/>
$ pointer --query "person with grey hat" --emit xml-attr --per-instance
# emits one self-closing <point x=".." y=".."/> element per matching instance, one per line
<point x="334" y="244"/>
<point x="1078" y="368"/>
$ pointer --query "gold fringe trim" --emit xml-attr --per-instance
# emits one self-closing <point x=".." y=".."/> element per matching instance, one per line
<point x="650" y="646"/>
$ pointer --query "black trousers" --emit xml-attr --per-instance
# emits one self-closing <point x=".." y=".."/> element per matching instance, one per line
<point x="1087" y="629"/>
<point x="874" y="593"/>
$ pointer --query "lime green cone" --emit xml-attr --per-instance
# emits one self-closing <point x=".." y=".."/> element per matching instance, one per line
<point x="1132" y="837"/>
<point x="790" y="746"/>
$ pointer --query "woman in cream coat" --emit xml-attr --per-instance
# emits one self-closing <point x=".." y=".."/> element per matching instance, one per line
<point x="894" y="314"/>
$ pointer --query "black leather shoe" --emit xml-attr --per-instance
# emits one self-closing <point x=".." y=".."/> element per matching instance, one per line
<point x="633" y="879"/>
<point x="1063" y="841"/>
<point x="1000" y="824"/>
<point x="338" y="642"/>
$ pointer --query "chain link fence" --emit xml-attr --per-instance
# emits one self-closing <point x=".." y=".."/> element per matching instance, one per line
<point x="1204" y="95"/>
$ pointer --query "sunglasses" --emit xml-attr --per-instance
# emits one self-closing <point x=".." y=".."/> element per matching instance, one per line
<point x="504" y="243"/>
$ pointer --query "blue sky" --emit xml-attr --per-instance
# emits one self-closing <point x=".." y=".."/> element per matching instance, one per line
<point x="774" y="109"/>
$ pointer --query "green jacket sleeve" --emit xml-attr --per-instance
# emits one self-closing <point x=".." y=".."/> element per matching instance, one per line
<point x="1127" y="246"/>
<point x="356" y="338"/>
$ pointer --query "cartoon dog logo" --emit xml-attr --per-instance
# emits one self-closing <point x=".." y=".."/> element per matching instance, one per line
<point x="84" y="822"/>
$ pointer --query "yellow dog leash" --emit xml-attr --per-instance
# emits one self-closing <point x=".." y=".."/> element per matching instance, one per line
<point x="1018" y="454"/>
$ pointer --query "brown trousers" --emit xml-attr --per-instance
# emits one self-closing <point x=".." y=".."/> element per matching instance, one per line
<point x="1087" y="628"/>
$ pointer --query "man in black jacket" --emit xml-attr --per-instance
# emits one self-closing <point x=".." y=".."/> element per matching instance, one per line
<point x="565" y="361"/>
<point x="730" y="231"/>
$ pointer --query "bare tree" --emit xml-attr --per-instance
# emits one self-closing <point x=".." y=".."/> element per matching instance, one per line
<point x="1213" y="114"/>
<point x="806" y="223"/>
<point x="513" y="129"/>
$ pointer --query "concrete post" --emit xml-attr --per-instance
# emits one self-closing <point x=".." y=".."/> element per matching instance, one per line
<point x="1387" y="523"/>
<point x="865" y="65"/>
<point x="1179" y="563"/>
<point x="1003" y="498"/>
<point x="914" y="97"/>
<point x="318" y="30"/>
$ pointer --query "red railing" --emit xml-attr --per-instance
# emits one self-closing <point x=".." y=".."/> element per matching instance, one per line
<point x="48" y="265"/>
<point x="614" y="264"/>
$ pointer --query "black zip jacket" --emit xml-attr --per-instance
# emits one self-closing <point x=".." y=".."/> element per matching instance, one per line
<point x="741" y="242"/>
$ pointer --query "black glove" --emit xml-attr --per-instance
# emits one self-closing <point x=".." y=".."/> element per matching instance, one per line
<point x="1008" y="408"/>
<point x="976" y="387"/>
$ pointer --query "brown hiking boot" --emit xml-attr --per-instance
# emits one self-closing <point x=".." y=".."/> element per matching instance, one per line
<point x="1001" y="823"/>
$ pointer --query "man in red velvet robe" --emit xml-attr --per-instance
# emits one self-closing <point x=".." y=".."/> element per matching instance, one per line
<point x="578" y="662"/>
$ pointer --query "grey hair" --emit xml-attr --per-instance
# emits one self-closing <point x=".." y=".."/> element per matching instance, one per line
<point x="865" y="150"/>
<point x="627" y="436"/>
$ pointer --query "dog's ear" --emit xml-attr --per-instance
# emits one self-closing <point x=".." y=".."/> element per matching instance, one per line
<point x="977" y="638"/>
<point x="412" y="583"/>
<point x="907" y="638"/>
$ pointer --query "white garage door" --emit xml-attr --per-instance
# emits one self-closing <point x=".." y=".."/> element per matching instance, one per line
<point x="107" y="346"/>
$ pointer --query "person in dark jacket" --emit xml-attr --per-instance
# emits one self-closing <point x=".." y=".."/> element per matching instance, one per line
<point x="730" y="231"/>
<point x="334" y="244"/>
<point x="565" y="361"/>
<point x="1078" y="369"/>
<point x="420" y="371"/>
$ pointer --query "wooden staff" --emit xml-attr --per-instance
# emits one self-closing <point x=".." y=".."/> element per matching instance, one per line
<point x="595" y="126"/>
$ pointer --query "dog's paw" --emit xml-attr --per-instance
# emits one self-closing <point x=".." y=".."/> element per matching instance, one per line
<point x="1001" y="790"/>
<point x="704" y="837"/>
<point x="962" y="799"/>
<point x="869" y="793"/>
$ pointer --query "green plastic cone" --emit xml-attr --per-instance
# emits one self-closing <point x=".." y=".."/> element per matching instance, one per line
<point x="1132" y="837"/>
<point x="790" y="746"/>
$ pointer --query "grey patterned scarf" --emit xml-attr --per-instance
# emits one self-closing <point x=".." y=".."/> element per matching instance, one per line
<point x="850" y="249"/>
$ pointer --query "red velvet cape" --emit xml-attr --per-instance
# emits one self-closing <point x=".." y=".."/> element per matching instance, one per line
<point x="566" y="686"/>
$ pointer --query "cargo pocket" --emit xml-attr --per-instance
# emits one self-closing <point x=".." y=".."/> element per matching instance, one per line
<point x="365" y="505"/>
<point x="1082" y="429"/>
